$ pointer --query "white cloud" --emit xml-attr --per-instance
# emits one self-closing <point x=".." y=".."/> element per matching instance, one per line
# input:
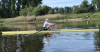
<point x="54" y="1"/>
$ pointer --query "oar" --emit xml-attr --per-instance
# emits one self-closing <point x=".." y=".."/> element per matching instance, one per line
<point x="39" y="31"/>
<point x="42" y="30"/>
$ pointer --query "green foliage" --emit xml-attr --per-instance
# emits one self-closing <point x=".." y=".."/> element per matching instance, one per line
<point x="76" y="9"/>
<point x="84" y="6"/>
<point x="11" y="8"/>
<point x="5" y="8"/>
<point x="39" y="10"/>
<point x="23" y="12"/>
<point x="81" y="15"/>
<point x="1" y="20"/>
<point x="61" y="10"/>
<point x="50" y="12"/>
<point x="18" y="7"/>
<point x="56" y="10"/>
<point x="45" y="9"/>
<point x="91" y="8"/>
<point x="67" y="10"/>
<point x="96" y="15"/>
<point x="0" y="17"/>
<point x="29" y="10"/>
<point x="96" y="3"/>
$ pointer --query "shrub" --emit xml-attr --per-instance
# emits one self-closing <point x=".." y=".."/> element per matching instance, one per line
<point x="39" y="10"/>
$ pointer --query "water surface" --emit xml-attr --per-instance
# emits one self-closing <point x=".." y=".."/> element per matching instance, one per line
<point x="56" y="42"/>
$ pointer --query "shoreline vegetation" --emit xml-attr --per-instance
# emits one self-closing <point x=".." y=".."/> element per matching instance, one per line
<point x="14" y="11"/>
<point x="53" y="17"/>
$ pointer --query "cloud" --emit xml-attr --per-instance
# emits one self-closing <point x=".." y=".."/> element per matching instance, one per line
<point x="54" y="1"/>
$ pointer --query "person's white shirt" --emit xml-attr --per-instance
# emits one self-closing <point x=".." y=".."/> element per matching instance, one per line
<point x="47" y="23"/>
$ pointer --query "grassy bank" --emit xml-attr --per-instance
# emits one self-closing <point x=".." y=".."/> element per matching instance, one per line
<point x="32" y="18"/>
<point x="96" y="15"/>
<point x="81" y="15"/>
<point x="52" y="17"/>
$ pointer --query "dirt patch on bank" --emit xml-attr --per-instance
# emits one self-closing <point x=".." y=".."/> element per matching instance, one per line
<point x="77" y="19"/>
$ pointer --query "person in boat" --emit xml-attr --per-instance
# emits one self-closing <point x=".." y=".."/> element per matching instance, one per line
<point x="48" y="25"/>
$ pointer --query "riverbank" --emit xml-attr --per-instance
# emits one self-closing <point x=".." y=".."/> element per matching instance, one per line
<point x="53" y="17"/>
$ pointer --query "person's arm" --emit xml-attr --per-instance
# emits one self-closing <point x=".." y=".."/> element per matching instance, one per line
<point x="50" y="23"/>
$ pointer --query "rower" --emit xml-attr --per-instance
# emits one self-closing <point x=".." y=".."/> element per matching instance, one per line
<point x="48" y="25"/>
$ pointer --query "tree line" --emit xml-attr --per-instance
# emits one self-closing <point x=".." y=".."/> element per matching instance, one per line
<point x="12" y="8"/>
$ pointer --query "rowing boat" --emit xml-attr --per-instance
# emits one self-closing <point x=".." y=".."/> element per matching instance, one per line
<point x="34" y="31"/>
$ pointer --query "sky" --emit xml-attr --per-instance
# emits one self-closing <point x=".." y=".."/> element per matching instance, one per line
<point x="62" y="3"/>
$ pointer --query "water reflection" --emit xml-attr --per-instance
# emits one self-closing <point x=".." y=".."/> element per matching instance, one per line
<point x="97" y="41"/>
<point x="59" y="25"/>
<point x="7" y="44"/>
<point x="21" y="43"/>
<point x="18" y="43"/>
<point x="88" y="22"/>
<point x="47" y="38"/>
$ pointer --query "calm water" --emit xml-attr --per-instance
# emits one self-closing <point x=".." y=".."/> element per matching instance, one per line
<point x="55" y="42"/>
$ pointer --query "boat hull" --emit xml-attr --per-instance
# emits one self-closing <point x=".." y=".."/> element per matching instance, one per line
<point x="42" y="32"/>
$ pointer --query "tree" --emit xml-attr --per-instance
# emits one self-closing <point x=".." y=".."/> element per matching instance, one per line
<point x="96" y="3"/>
<point x="29" y="3"/>
<point x="91" y="8"/>
<point x="51" y="11"/>
<point x="67" y="10"/>
<point x="18" y="7"/>
<point x="76" y="9"/>
<point x="23" y="12"/>
<point x="45" y="9"/>
<point x="34" y="3"/>
<point x="13" y="8"/>
<point x="23" y="3"/>
<point x="56" y="10"/>
<point x="84" y="6"/>
<point x="0" y="10"/>
<point x="5" y="8"/>
<point x="61" y="10"/>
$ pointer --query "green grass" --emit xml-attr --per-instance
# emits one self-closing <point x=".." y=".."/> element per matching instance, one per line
<point x="65" y="16"/>
<point x="96" y="15"/>
<point x="2" y="20"/>
<point x="81" y="15"/>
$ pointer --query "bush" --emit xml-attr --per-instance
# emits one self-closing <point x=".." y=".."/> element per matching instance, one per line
<point x="23" y="12"/>
<point x="39" y="10"/>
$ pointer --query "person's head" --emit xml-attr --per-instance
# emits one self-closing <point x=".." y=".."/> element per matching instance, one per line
<point x="47" y="20"/>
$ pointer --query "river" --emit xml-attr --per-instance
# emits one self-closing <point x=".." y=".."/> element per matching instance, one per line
<point x="88" y="41"/>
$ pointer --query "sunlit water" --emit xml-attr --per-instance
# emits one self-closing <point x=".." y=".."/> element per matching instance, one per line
<point x="55" y="42"/>
<point x="70" y="42"/>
